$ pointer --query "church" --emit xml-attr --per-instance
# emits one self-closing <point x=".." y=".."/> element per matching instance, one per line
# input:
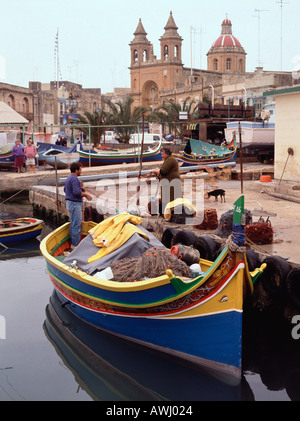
<point x="154" y="80"/>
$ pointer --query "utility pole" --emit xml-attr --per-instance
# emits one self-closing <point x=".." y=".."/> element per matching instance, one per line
<point x="281" y="2"/>
<point x="258" y="46"/>
<point x="195" y="31"/>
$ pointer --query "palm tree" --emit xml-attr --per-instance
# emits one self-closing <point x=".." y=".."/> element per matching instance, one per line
<point x="122" y="116"/>
<point x="94" y="121"/>
<point x="169" y="112"/>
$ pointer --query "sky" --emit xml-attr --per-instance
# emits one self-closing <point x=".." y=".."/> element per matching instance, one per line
<point x="94" y="36"/>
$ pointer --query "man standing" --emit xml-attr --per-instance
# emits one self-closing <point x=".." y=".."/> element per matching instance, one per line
<point x="170" y="178"/>
<point x="74" y="194"/>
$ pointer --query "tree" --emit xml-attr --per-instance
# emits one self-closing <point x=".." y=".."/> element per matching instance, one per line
<point x="123" y="118"/>
<point x="169" y="112"/>
<point x="94" y="121"/>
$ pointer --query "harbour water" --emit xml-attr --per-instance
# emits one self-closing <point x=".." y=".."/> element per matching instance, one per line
<point x="47" y="355"/>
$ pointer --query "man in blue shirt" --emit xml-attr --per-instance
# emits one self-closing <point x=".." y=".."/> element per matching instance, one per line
<point x="74" y="194"/>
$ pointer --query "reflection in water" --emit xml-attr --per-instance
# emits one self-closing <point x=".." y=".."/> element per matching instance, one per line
<point x="29" y="248"/>
<point x="270" y="351"/>
<point x="110" y="368"/>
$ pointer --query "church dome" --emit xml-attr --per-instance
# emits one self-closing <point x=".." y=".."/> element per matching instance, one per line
<point x="226" y="54"/>
<point x="226" y="39"/>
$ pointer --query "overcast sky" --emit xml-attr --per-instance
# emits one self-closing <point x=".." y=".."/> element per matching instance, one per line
<point x="94" y="36"/>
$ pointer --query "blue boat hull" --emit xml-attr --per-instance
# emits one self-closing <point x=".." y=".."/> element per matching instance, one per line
<point x="215" y="341"/>
<point x="96" y="160"/>
<point x="16" y="238"/>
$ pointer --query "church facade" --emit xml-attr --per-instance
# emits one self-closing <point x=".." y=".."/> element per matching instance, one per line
<point x="154" y="80"/>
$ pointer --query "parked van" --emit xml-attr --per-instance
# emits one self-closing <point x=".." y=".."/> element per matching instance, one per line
<point x="149" y="138"/>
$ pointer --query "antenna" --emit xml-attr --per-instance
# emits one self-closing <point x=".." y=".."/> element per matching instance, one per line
<point x="281" y="2"/>
<point x="196" y="31"/>
<point x="258" y="46"/>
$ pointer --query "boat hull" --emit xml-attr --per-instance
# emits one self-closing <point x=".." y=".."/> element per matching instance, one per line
<point x="185" y="161"/>
<point x="17" y="234"/>
<point x="212" y="340"/>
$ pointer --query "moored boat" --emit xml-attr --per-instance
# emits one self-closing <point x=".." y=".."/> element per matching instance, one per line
<point x="203" y="154"/>
<point x="20" y="229"/>
<point x="197" y="318"/>
<point x="118" y="156"/>
<point x="7" y="158"/>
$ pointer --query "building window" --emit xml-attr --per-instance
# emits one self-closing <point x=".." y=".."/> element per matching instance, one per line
<point x="216" y="64"/>
<point x="145" y="55"/>
<point x="25" y="105"/>
<point x="11" y="101"/>
<point x="176" y="51"/>
<point x="135" y="56"/>
<point x="166" y="52"/>
<point x="228" y="64"/>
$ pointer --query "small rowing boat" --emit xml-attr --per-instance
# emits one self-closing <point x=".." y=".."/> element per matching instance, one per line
<point x="20" y="229"/>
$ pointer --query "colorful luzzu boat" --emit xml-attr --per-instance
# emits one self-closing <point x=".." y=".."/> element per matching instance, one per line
<point x="118" y="156"/>
<point x="197" y="319"/>
<point x="21" y="229"/>
<point x="201" y="153"/>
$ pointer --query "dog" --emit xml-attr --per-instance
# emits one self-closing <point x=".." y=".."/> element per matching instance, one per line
<point x="216" y="193"/>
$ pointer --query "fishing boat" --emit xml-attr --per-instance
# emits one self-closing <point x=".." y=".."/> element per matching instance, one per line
<point x="118" y="156"/>
<point x="60" y="160"/>
<point x="203" y="154"/>
<point x="20" y="229"/>
<point x="57" y="155"/>
<point x="7" y="158"/>
<point x="196" y="317"/>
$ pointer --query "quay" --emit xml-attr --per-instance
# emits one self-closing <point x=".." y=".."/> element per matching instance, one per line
<point x="12" y="181"/>
<point x="280" y="200"/>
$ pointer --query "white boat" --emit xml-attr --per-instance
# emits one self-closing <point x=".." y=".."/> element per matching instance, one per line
<point x="258" y="137"/>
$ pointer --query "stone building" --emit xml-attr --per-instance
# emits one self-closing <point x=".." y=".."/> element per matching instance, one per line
<point x="151" y="76"/>
<point x="154" y="81"/>
<point x="54" y="105"/>
<point x="44" y="106"/>
<point x="22" y="100"/>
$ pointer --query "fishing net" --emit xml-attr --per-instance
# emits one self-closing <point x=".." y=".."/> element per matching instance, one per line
<point x="210" y="220"/>
<point x="259" y="233"/>
<point x="151" y="264"/>
<point x="226" y="223"/>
